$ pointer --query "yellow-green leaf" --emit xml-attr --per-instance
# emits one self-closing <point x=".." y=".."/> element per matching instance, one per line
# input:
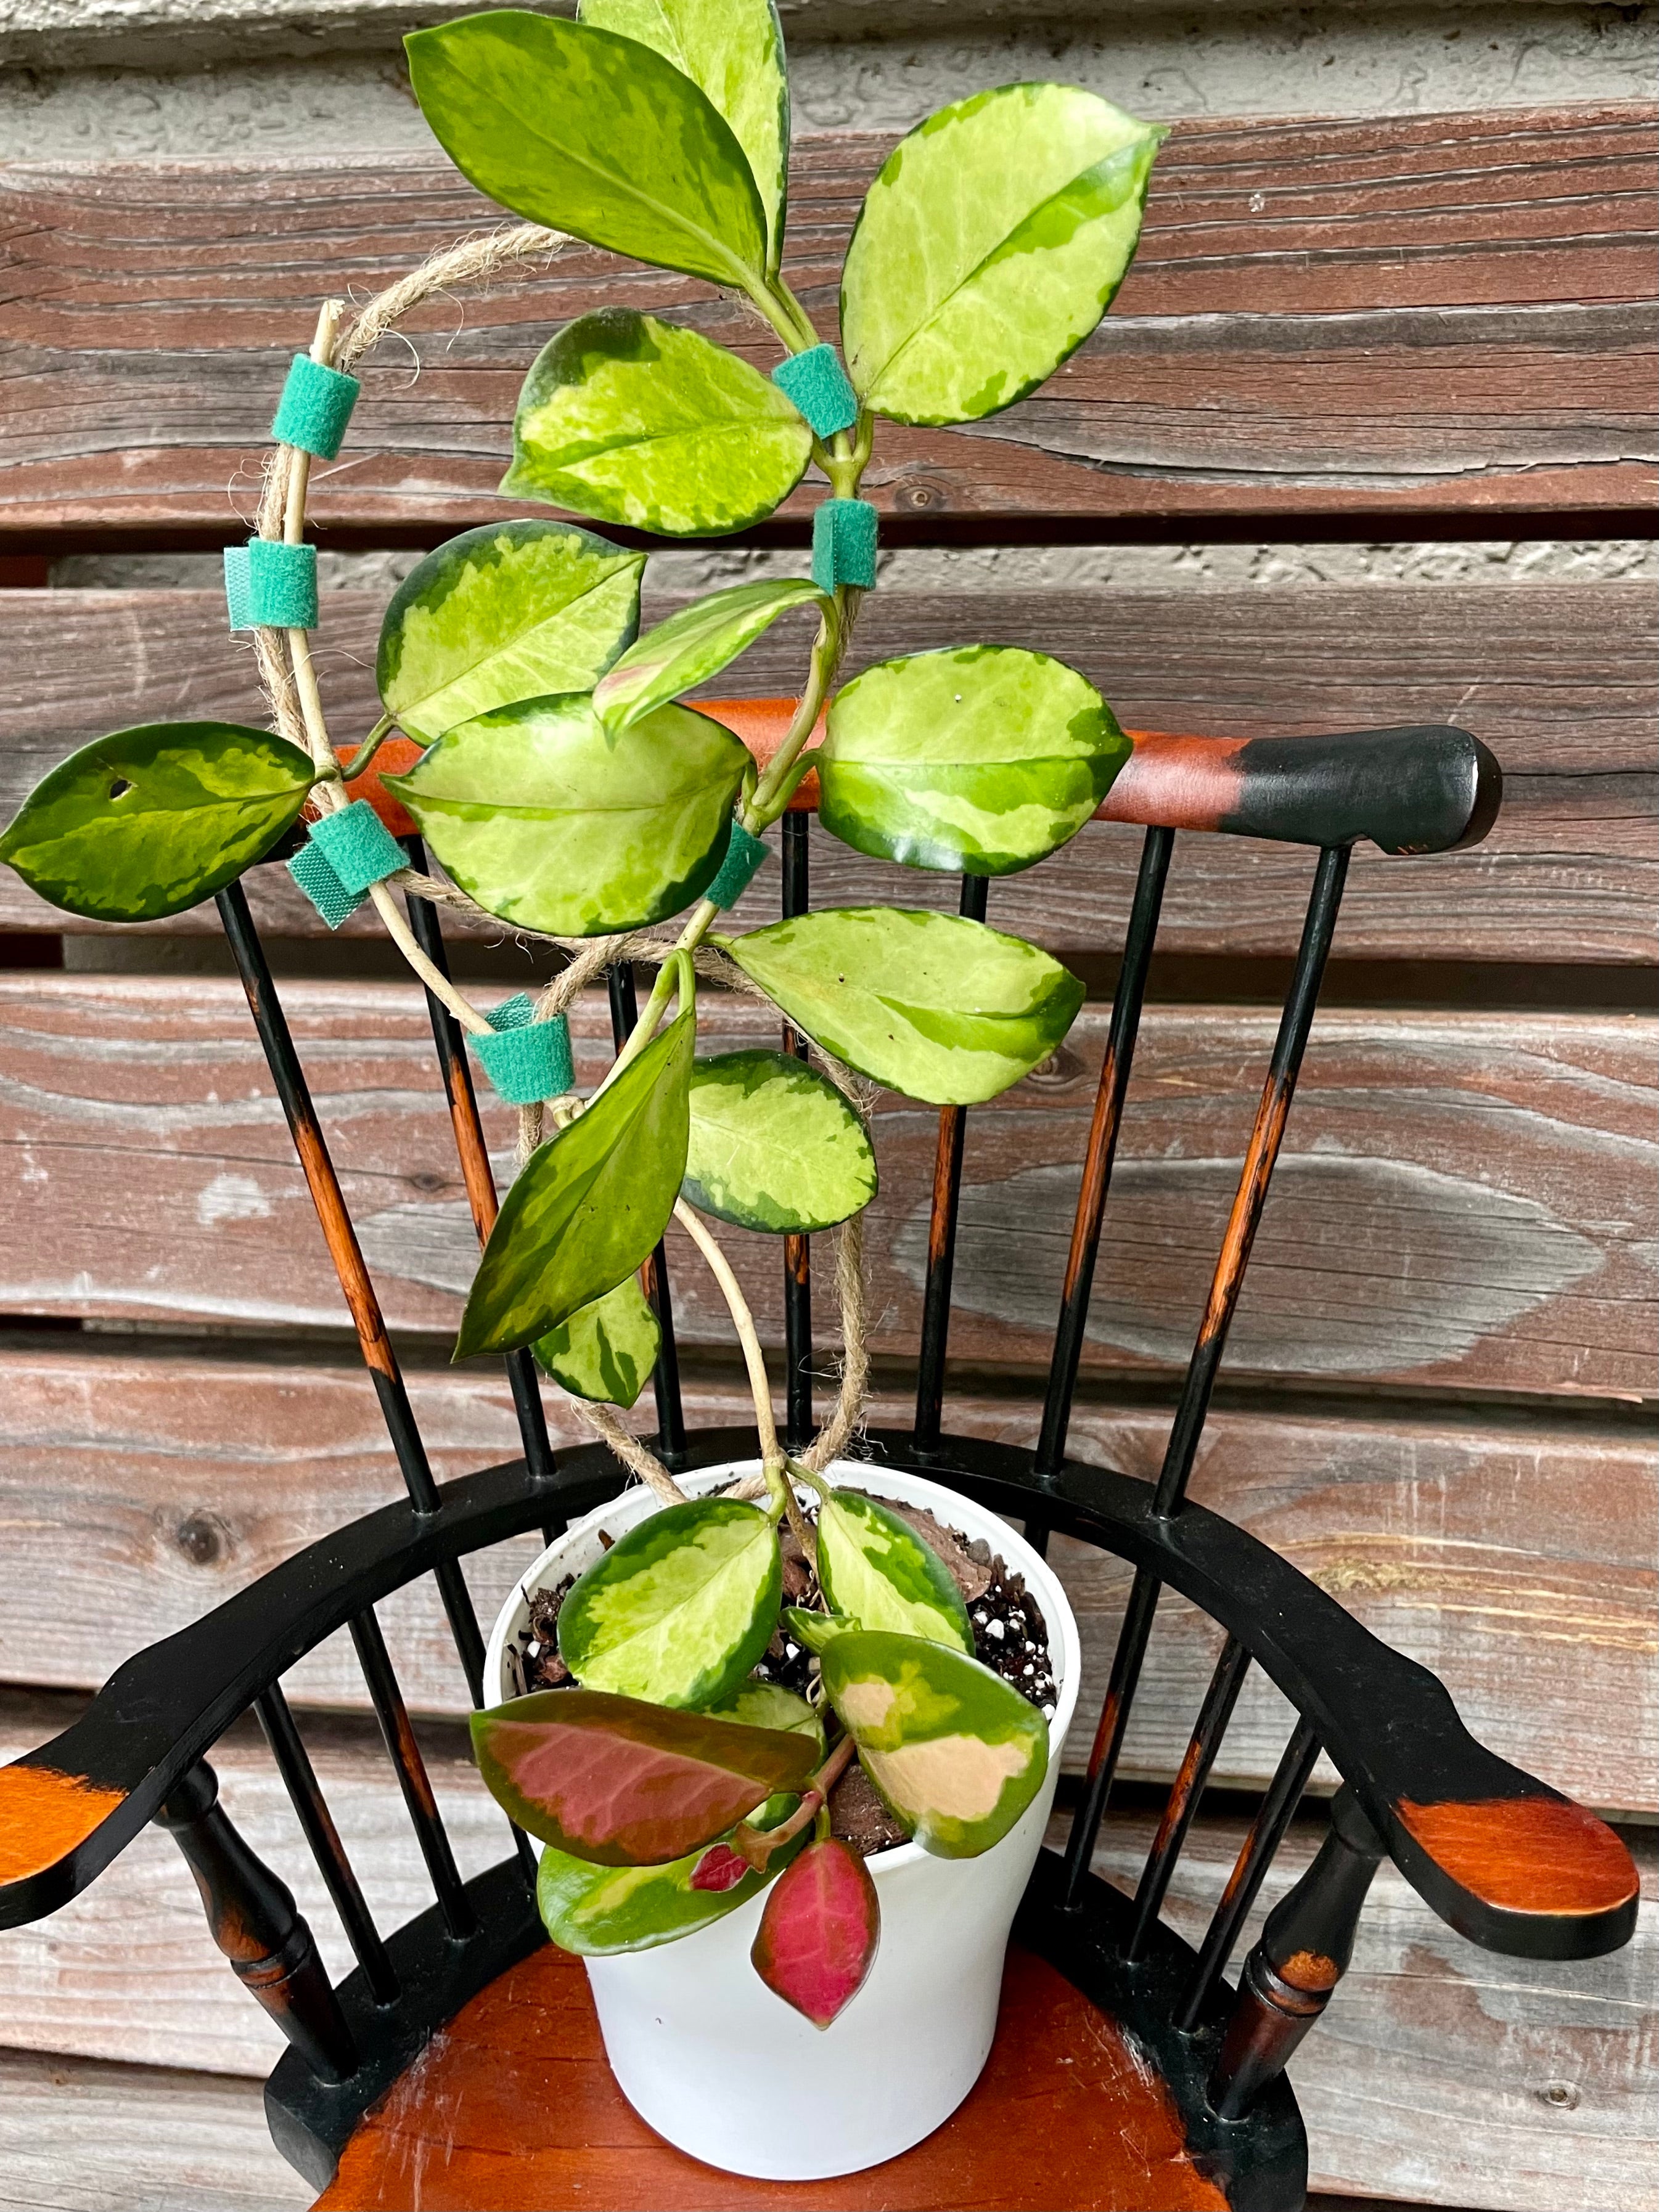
<point x="605" y="1352"/>
<point x="774" y="1146"/>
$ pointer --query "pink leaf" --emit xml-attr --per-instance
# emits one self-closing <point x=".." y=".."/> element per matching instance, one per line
<point x="819" y="1931"/>
<point x="621" y="1783"/>
<point x="719" y="1869"/>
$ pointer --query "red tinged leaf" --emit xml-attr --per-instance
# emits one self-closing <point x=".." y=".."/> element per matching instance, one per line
<point x="719" y="1869"/>
<point x="819" y="1931"/>
<point x="621" y="1783"/>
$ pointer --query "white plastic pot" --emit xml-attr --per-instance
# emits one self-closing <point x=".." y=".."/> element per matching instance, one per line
<point x="724" y="2069"/>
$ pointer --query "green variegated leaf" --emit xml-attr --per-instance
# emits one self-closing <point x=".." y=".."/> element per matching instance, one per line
<point x="955" y="303"/>
<point x="574" y="127"/>
<point x="550" y="821"/>
<point x="980" y="759"/>
<point x="605" y="1351"/>
<point x="144" y="823"/>
<point x="872" y="1566"/>
<point x="938" y="1007"/>
<point x="774" y="1146"/>
<point x="589" y="1206"/>
<point x="765" y="1705"/>
<point x="680" y="1608"/>
<point x="733" y="50"/>
<point x="696" y="644"/>
<point x="599" y="1912"/>
<point x="514" y="611"/>
<point x="636" y="422"/>
<point x="814" y="1630"/>
<point x="955" y="1752"/>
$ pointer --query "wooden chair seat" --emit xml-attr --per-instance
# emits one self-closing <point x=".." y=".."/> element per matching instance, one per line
<point x="513" y="2108"/>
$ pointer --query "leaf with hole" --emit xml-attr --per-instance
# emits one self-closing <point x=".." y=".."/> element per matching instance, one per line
<point x="955" y="303"/>
<point x="514" y="610"/>
<point x="621" y="1782"/>
<point x="871" y="1565"/>
<point x="695" y="644"/>
<point x="818" y="1935"/>
<point x="680" y="1608"/>
<point x="588" y="1206"/>
<point x="981" y="759"/>
<point x="599" y="1912"/>
<point x="956" y="1754"/>
<point x="605" y="1352"/>
<point x="774" y="1146"/>
<point x="940" y="1008"/>
<point x="636" y="421"/>
<point x="553" y="822"/>
<point x="146" y="822"/>
<point x="732" y="50"/>
<point x="573" y="127"/>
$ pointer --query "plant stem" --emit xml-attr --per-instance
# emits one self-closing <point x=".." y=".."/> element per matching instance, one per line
<point x="771" y="1452"/>
<point x="371" y="745"/>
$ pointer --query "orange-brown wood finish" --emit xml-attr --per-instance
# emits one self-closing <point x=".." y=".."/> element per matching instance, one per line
<point x="514" y="2109"/>
<point x="1527" y="1854"/>
<point x="44" y="1815"/>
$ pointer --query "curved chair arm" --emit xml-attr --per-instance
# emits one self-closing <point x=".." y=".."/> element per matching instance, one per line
<point x="1506" y="1861"/>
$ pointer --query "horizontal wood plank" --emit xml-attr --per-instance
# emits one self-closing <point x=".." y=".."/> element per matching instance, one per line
<point x="1462" y="1200"/>
<point x="1439" y="2072"/>
<point x="141" y="1486"/>
<point x="1403" y="315"/>
<point x="1558" y="680"/>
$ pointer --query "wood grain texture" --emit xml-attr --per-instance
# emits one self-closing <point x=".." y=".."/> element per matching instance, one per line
<point x="1439" y="2073"/>
<point x="1559" y="681"/>
<point x="515" y="2107"/>
<point x="1436" y="313"/>
<point x="1463" y="1199"/>
<point x="141" y="1485"/>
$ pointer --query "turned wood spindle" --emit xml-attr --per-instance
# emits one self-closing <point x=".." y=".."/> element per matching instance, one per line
<point x="1302" y="1954"/>
<point x="256" y="1923"/>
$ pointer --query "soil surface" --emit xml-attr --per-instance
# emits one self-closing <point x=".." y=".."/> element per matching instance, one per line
<point x="1011" y="1637"/>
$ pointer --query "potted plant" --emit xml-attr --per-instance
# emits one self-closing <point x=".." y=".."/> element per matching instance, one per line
<point x="756" y="1645"/>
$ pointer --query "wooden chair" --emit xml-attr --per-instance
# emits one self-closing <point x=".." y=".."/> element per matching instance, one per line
<point x="1128" y="2072"/>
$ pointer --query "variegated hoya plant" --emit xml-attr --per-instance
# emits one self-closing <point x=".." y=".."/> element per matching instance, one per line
<point x="566" y="789"/>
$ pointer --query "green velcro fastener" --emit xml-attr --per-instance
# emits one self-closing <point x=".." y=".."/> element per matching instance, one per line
<point x="744" y="854"/>
<point x="238" y="600"/>
<point x="311" y="872"/>
<point x="316" y="407"/>
<point x="844" y="544"/>
<point x="524" y="1059"/>
<point x="816" y="384"/>
<point x="358" y="847"/>
<point x="282" y="585"/>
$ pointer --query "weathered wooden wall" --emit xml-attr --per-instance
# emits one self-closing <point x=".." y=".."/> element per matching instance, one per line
<point x="1439" y="1393"/>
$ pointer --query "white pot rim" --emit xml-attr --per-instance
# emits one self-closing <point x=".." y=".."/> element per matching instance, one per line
<point x="975" y="1520"/>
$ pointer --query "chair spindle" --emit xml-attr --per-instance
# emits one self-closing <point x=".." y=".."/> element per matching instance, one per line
<point x="256" y="1923"/>
<point x="1109" y="1731"/>
<point x="311" y="1810"/>
<point x="363" y="1303"/>
<point x="1265" y="1138"/>
<point x="1266" y="1832"/>
<point x="665" y="1376"/>
<point x="477" y="1174"/>
<point x="942" y="1237"/>
<point x="413" y="1780"/>
<point x="1302" y="1952"/>
<point x="1186" y="1791"/>
<point x="797" y="1250"/>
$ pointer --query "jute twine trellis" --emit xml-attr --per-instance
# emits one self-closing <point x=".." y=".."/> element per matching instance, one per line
<point x="288" y="676"/>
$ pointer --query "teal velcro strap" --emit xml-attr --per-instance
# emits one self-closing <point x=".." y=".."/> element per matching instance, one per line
<point x="525" y="1059"/>
<point x="817" y="384"/>
<point x="282" y="585"/>
<point x="311" y="872"/>
<point x="316" y="407"/>
<point x="844" y="544"/>
<point x="237" y="598"/>
<point x="358" y="847"/>
<point x="744" y="854"/>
